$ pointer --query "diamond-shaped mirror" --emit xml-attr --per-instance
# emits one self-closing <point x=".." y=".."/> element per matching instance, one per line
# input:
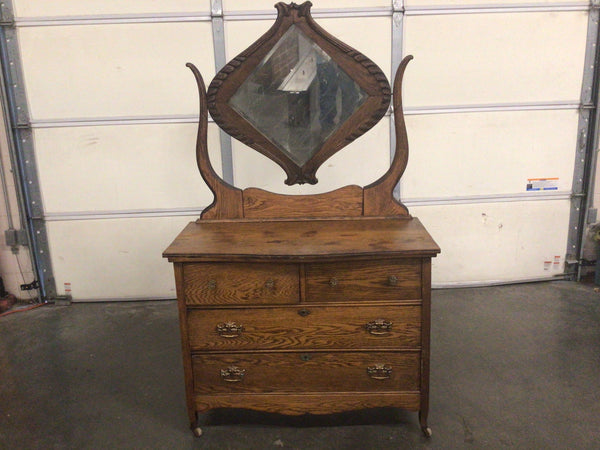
<point x="297" y="96"/>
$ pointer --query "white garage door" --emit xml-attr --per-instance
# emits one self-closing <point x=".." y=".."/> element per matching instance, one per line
<point x="493" y="111"/>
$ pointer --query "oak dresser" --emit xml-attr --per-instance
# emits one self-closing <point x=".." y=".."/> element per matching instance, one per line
<point x="306" y="303"/>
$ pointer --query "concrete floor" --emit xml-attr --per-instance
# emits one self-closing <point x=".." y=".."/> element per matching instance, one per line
<point x="511" y="366"/>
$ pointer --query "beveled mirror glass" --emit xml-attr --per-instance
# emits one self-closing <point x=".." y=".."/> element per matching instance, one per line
<point x="297" y="96"/>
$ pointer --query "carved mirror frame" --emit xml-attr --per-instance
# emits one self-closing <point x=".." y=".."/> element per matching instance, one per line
<point x="364" y="72"/>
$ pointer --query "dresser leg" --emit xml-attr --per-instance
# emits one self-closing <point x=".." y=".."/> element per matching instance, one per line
<point x="423" y="422"/>
<point x="195" y="426"/>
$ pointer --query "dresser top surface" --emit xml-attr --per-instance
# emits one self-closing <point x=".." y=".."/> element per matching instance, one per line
<point x="301" y="240"/>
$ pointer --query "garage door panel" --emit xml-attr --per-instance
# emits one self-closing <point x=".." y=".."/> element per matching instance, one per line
<point x="494" y="58"/>
<point x="114" y="70"/>
<point x="30" y="8"/>
<point x="361" y="162"/>
<point x="488" y="153"/>
<point x="240" y="34"/>
<point x="416" y="3"/>
<point x="122" y="167"/>
<point x="496" y="242"/>
<point x="267" y="5"/>
<point x="114" y="258"/>
<point x="134" y="175"/>
<point x="378" y="47"/>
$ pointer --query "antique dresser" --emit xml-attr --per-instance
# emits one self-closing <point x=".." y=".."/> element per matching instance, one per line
<point x="300" y="304"/>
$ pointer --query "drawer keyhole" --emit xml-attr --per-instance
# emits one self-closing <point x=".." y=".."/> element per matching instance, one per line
<point x="304" y="312"/>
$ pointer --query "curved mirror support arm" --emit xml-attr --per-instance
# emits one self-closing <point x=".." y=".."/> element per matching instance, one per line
<point x="379" y="196"/>
<point x="227" y="203"/>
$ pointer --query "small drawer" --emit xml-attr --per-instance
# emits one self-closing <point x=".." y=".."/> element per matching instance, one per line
<point x="305" y="327"/>
<point x="306" y="372"/>
<point x="240" y="283"/>
<point x="364" y="281"/>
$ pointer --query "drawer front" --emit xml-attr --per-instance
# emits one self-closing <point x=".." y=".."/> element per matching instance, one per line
<point x="364" y="281"/>
<point x="306" y="372"/>
<point x="305" y="327"/>
<point x="240" y="283"/>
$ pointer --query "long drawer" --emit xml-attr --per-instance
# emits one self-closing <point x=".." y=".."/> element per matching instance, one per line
<point x="364" y="281"/>
<point x="240" y="283"/>
<point x="305" y="327"/>
<point x="306" y="372"/>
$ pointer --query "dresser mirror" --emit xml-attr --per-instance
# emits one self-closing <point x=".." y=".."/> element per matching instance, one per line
<point x="297" y="96"/>
<point x="298" y="304"/>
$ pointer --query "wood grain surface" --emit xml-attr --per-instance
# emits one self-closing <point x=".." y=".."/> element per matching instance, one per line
<point x="185" y="345"/>
<point x="240" y="283"/>
<point x="306" y="372"/>
<point x="379" y="197"/>
<point x="305" y="327"/>
<point x="227" y="203"/>
<point x="314" y="403"/>
<point x="260" y="204"/>
<point x="295" y="240"/>
<point x="364" y="281"/>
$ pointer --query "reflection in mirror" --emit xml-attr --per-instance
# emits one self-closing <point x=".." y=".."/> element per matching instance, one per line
<point x="297" y="96"/>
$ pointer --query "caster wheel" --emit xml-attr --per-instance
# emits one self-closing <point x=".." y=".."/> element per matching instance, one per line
<point x="427" y="432"/>
<point x="197" y="431"/>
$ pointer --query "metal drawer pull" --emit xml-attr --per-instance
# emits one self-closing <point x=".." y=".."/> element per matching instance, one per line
<point x="333" y="282"/>
<point x="379" y="371"/>
<point x="269" y="284"/>
<point x="379" y="327"/>
<point x="229" y="329"/>
<point x="212" y="284"/>
<point x="393" y="280"/>
<point x="233" y="374"/>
